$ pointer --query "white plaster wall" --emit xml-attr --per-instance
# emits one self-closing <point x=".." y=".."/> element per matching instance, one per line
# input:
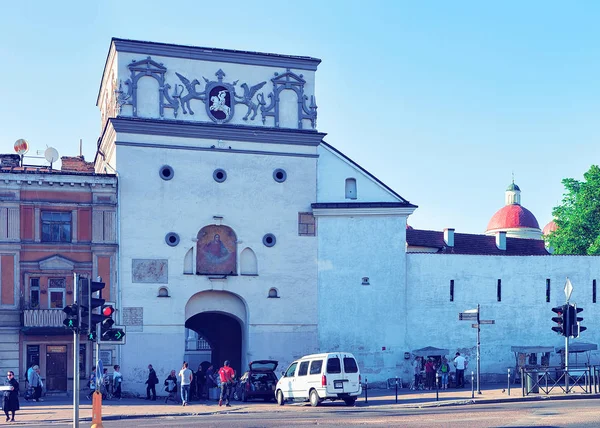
<point x="252" y="204"/>
<point x="333" y="171"/>
<point x="147" y="99"/>
<point x="358" y="318"/>
<point x="522" y="317"/>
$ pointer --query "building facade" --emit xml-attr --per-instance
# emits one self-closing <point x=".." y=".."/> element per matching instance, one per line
<point x="53" y="224"/>
<point x="243" y="235"/>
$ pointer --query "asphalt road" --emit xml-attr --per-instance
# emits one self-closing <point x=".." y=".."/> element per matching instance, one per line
<point x="572" y="413"/>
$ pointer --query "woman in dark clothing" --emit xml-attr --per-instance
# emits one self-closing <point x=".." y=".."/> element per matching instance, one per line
<point x="11" y="397"/>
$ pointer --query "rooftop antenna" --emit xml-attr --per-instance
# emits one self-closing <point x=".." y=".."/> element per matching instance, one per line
<point x="51" y="155"/>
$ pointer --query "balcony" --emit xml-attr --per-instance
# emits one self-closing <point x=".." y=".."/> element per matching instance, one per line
<point x="44" y="321"/>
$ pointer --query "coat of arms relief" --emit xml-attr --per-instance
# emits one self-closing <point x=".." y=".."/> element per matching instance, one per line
<point x="218" y="96"/>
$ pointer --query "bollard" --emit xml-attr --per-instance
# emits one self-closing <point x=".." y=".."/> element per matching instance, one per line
<point x="437" y="386"/>
<point x="472" y="387"/>
<point x="396" y="389"/>
<point x="96" y="409"/>
<point x="366" y="390"/>
<point x="508" y="389"/>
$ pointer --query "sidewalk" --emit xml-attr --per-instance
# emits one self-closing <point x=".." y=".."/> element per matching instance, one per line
<point x="60" y="409"/>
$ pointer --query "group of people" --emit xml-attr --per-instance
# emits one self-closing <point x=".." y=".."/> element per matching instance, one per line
<point x="193" y="385"/>
<point x="432" y="367"/>
<point x="109" y="386"/>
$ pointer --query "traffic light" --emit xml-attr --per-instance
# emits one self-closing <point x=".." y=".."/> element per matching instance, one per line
<point x="90" y="301"/>
<point x="72" y="319"/>
<point x="560" y="320"/>
<point x="107" y="332"/>
<point x="574" y="321"/>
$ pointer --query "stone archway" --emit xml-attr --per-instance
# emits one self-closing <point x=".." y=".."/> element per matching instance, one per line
<point x="220" y="317"/>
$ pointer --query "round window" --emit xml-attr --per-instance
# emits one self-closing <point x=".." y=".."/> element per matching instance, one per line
<point x="219" y="175"/>
<point x="279" y="175"/>
<point x="166" y="172"/>
<point x="269" y="240"/>
<point x="172" y="239"/>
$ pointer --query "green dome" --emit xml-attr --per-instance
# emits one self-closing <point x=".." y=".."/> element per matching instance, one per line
<point x="513" y="186"/>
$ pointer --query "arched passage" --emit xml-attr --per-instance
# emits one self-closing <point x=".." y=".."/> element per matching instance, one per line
<point x="219" y="317"/>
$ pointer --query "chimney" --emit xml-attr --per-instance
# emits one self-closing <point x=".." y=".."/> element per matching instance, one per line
<point x="501" y="241"/>
<point x="76" y="164"/>
<point x="449" y="237"/>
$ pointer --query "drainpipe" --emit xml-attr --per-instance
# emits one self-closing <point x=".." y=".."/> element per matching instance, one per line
<point x="118" y="256"/>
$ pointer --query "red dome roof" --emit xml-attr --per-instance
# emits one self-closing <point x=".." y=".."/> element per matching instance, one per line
<point x="550" y="227"/>
<point x="513" y="216"/>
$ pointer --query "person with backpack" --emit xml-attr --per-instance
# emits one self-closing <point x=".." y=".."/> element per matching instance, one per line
<point x="151" y="382"/>
<point x="444" y="371"/>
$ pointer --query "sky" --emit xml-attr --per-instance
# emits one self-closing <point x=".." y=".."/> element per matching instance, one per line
<point x="441" y="100"/>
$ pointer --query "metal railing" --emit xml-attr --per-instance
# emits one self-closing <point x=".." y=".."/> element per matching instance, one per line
<point x="43" y="318"/>
<point x="546" y="379"/>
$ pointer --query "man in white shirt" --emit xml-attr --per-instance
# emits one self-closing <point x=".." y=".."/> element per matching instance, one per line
<point x="461" y="364"/>
<point x="185" y="375"/>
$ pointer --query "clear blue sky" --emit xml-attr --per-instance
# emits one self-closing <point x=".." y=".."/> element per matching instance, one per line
<point x="442" y="100"/>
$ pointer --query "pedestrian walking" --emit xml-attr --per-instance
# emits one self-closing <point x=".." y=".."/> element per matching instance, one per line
<point x="151" y="382"/>
<point x="226" y="375"/>
<point x="186" y="376"/>
<point x="35" y="382"/>
<point x="171" y="387"/>
<point x="200" y="381"/>
<point x="117" y="381"/>
<point x="92" y="383"/>
<point x="10" y="401"/>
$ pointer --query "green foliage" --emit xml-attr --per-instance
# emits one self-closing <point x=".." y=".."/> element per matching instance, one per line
<point x="578" y="217"/>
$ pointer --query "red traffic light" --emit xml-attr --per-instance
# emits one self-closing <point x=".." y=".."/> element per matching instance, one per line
<point x="107" y="311"/>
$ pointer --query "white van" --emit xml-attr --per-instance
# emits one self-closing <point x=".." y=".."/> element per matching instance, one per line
<point x="318" y="377"/>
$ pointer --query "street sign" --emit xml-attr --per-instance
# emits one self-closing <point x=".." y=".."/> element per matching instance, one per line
<point x="568" y="289"/>
<point x="467" y="316"/>
<point x="471" y="311"/>
<point x="487" y="321"/>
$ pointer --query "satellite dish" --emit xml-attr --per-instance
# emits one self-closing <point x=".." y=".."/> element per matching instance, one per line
<point x="51" y="154"/>
<point x="21" y="146"/>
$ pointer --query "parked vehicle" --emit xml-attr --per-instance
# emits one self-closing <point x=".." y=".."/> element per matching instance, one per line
<point x="318" y="377"/>
<point x="258" y="382"/>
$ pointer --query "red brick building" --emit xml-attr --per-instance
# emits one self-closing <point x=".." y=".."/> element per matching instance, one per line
<point x="53" y="224"/>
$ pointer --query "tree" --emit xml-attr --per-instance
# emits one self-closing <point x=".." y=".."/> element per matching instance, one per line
<point x="578" y="217"/>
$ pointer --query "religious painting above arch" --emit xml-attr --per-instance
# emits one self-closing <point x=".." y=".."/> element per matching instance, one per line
<point x="216" y="251"/>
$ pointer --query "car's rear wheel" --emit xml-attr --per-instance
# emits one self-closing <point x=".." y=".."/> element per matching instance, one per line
<point x="280" y="399"/>
<point x="350" y="401"/>
<point x="314" y="398"/>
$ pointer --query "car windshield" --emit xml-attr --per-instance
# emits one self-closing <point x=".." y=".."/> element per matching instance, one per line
<point x="263" y="366"/>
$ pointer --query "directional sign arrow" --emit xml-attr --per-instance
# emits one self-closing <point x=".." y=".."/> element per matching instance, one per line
<point x="119" y="334"/>
<point x="487" y="321"/>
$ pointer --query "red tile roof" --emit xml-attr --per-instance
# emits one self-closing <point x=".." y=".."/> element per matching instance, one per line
<point x="465" y="243"/>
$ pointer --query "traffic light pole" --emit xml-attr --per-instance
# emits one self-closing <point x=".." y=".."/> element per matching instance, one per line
<point x="76" y="355"/>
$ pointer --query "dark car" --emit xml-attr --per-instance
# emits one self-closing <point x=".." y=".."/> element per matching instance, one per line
<point x="258" y="382"/>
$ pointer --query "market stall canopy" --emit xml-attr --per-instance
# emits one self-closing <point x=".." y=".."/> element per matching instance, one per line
<point x="578" y="347"/>
<point x="531" y="349"/>
<point x="430" y="351"/>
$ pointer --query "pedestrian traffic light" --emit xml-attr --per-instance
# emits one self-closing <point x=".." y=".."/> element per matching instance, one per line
<point x="72" y="319"/>
<point x="559" y="319"/>
<point x="574" y="321"/>
<point x="89" y="302"/>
